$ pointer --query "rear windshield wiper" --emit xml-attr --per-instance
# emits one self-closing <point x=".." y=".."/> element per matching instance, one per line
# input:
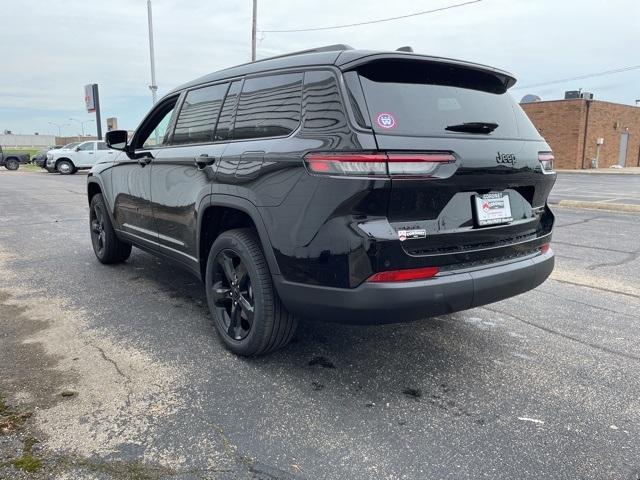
<point x="473" y="127"/>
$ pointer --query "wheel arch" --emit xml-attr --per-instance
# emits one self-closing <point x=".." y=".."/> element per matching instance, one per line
<point x="239" y="212"/>
<point x="95" y="186"/>
<point x="58" y="160"/>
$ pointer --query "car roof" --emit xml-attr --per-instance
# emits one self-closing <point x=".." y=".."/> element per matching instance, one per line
<point x="341" y="56"/>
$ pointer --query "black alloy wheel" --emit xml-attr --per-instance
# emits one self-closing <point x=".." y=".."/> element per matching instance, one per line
<point x="247" y="312"/>
<point x="98" y="235"/>
<point x="233" y="294"/>
<point x="106" y="245"/>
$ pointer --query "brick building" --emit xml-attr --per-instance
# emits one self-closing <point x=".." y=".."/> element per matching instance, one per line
<point x="572" y="128"/>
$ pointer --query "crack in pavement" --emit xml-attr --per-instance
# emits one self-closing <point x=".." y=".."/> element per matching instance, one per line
<point x="602" y="249"/>
<point x="120" y="372"/>
<point x="602" y="289"/>
<point x="579" y="222"/>
<point x="562" y="297"/>
<point x="13" y="225"/>
<point x="566" y="336"/>
<point x="631" y="256"/>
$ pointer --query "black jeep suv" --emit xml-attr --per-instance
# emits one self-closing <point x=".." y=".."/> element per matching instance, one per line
<point x="333" y="184"/>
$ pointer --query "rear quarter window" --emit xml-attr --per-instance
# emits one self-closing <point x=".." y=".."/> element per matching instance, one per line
<point x="269" y="106"/>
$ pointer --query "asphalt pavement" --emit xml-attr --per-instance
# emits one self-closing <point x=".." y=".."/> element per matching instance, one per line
<point x="602" y="188"/>
<point x="119" y="371"/>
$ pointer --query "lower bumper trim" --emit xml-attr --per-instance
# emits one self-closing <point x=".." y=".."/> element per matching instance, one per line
<point x="372" y="303"/>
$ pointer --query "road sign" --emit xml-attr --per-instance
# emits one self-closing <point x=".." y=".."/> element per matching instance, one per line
<point x="89" y="97"/>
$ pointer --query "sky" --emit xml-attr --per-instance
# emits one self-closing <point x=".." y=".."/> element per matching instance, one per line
<point x="50" y="50"/>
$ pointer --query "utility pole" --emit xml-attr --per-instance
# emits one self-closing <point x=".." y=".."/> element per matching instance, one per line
<point x="253" y="30"/>
<point x="153" y="87"/>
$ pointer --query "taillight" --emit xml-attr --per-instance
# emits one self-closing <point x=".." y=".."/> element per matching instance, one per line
<point x="545" y="248"/>
<point x="546" y="161"/>
<point x="347" y="163"/>
<point x="377" y="163"/>
<point x="404" y="275"/>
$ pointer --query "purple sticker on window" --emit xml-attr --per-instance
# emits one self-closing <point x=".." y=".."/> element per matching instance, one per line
<point x="386" y="120"/>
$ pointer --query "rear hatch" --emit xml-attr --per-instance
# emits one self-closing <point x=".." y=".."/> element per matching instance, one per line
<point x="488" y="203"/>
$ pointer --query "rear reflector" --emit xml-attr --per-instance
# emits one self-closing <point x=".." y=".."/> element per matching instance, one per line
<point x="377" y="163"/>
<point x="404" y="275"/>
<point x="545" y="248"/>
<point x="546" y="161"/>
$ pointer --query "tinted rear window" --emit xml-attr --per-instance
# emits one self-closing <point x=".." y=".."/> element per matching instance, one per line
<point x="423" y="99"/>
<point x="269" y="106"/>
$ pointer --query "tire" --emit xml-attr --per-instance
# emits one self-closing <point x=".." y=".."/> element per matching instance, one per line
<point x="239" y="286"/>
<point x="11" y="164"/>
<point x="65" y="167"/>
<point x="107" y="247"/>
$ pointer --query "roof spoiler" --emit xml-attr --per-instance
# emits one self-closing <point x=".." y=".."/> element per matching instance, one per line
<point x="505" y="79"/>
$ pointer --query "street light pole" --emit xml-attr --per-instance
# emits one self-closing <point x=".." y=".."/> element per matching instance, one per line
<point x="153" y="87"/>
<point x="81" y="122"/>
<point x="59" y="125"/>
<point x="254" y="30"/>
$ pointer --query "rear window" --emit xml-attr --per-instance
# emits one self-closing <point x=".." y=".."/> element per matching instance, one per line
<point x="423" y="99"/>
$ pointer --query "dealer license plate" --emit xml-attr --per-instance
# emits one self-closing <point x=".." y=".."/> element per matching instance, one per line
<point x="493" y="209"/>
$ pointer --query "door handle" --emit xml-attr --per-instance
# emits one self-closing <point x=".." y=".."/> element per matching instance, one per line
<point x="204" y="161"/>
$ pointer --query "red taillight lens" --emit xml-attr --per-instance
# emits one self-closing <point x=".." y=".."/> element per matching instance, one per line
<point x="377" y="163"/>
<point x="404" y="275"/>
<point x="347" y="163"/>
<point x="545" y="248"/>
<point x="546" y="160"/>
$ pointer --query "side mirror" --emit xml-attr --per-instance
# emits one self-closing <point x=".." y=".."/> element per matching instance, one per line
<point x="77" y="149"/>
<point x="117" y="139"/>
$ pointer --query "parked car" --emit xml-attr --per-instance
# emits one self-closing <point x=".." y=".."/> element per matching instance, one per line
<point x="68" y="146"/>
<point x="80" y="156"/>
<point x="40" y="158"/>
<point x="12" y="160"/>
<point x="333" y="184"/>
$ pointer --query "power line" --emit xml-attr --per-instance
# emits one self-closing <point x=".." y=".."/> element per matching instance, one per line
<point x="580" y="77"/>
<point x="390" y="19"/>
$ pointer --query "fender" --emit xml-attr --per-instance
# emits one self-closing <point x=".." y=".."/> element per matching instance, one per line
<point x="91" y="178"/>
<point x="244" y="205"/>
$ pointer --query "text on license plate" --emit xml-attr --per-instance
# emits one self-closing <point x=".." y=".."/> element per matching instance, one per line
<point x="493" y="208"/>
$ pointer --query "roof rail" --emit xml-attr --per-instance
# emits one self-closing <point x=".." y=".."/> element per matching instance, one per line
<point x="328" y="48"/>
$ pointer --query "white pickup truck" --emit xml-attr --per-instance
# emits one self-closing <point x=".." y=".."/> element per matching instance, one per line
<point x="83" y="156"/>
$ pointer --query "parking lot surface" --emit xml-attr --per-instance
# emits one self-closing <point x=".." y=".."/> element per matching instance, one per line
<point x="544" y="385"/>
<point x="605" y="188"/>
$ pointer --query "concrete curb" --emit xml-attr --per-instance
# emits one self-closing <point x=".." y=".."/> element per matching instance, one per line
<point x="608" y="207"/>
<point x="611" y="171"/>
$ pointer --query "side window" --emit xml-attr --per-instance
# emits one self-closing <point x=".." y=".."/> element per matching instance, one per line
<point x="269" y="106"/>
<point x="86" y="147"/>
<point x="224" y="130"/>
<point x="199" y="113"/>
<point x="102" y="146"/>
<point x="154" y="131"/>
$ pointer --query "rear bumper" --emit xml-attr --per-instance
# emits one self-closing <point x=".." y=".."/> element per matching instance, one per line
<point x="372" y="303"/>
